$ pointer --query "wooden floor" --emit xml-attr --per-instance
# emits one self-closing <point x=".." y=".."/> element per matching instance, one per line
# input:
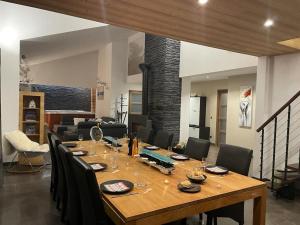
<point x="25" y="200"/>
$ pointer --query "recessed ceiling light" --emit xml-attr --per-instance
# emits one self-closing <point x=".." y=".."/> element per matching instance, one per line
<point x="269" y="23"/>
<point x="202" y="2"/>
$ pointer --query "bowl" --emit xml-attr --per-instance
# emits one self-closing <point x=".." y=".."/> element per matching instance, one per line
<point x="195" y="178"/>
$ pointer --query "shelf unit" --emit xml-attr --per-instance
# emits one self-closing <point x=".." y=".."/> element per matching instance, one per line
<point x="32" y="119"/>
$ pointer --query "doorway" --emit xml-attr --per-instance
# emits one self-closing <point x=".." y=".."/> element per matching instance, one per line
<point x="221" y="117"/>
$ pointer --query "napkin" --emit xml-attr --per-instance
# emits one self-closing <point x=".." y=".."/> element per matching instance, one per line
<point x="97" y="167"/>
<point x="216" y="169"/>
<point x="116" y="187"/>
<point x="78" y="153"/>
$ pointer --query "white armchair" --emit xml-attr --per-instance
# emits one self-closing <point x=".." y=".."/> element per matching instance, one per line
<point x="24" y="146"/>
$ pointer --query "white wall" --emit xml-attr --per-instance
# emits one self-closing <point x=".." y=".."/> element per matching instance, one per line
<point x="197" y="59"/>
<point x="17" y="23"/>
<point x="235" y="135"/>
<point x="113" y="64"/>
<point x="76" y="71"/>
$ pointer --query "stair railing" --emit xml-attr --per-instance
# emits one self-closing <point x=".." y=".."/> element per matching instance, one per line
<point x="262" y="129"/>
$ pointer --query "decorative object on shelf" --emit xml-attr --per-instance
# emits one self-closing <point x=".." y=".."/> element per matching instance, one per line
<point x="24" y="70"/>
<point x="100" y="93"/>
<point x="30" y="116"/>
<point x="24" y="75"/>
<point x="32" y="104"/>
<point x="245" y="115"/>
<point x="30" y="129"/>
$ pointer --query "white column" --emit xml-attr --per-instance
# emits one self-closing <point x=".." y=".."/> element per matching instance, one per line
<point x="184" y="110"/>
<point x="263" y="102"/>
<point x="9" y="92"/>
<point x="104" y="75"/>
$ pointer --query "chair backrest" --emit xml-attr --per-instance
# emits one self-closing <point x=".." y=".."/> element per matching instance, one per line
<point x="197" y="148"/>
<point x="60" y="170"/>
<point x="163" y="139"/>
<point x="234" y="158"/>
<point x="144" y="134"/>
<point x="52" y="154"/>
<point x="73" y="204"/>
<point x="91" y="204"/>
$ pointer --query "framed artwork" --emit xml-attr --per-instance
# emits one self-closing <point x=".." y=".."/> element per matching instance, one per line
<point x="136" y="50"/>
<point x="245" y="115"/>
<point x="100" y="93"/>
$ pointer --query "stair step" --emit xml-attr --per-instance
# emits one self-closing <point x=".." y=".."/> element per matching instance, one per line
<point x="294" y="167"/>
<point x="291" y="177"/>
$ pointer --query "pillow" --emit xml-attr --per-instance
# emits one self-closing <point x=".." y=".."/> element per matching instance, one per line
<point x="20" y="141"/>
<point x="77" y="120"/>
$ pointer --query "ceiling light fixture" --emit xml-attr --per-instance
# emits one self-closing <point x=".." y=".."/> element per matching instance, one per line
<point x="269" y="23"/>
<point x="202" y="2"/>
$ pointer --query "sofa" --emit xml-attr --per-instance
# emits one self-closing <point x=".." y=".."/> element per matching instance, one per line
<point x="116" y="130"/>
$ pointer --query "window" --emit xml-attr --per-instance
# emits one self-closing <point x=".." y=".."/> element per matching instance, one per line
<point x="135" y="102"/>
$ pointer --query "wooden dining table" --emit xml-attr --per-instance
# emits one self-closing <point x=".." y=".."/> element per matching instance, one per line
<point x="159" y="201"/>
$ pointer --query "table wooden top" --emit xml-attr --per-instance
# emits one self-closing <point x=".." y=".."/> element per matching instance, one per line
<point x="159" y="196"/>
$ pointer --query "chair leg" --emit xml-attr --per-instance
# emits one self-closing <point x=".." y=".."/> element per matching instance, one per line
<point x="209" y="220"/>
<point x="58" y="203"/>
<point x="200" y="219"/>
<point x="215" y="220"/>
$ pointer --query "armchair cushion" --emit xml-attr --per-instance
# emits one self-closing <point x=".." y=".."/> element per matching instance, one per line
<point x="21" y="142"/>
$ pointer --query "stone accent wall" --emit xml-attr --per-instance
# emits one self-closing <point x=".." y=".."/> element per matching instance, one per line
<point x="65" y="98"/>
<point x="163" y="54"/>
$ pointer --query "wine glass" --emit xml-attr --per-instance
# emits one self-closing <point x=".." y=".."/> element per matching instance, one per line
<point x="170" y="150"/>
<point x="203" y="163"/>
<point x="80" y="138"/>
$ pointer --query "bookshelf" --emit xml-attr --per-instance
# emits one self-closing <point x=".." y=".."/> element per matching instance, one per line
<point x="31" y="115"/>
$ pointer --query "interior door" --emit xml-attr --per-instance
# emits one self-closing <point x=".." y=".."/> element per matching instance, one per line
<point x="194" y="110"/>
<point x="221" y="116"/>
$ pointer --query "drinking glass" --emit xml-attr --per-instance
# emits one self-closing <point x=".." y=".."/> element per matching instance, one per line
<point x="80" y="138"/>
<point x="114" y="161"/>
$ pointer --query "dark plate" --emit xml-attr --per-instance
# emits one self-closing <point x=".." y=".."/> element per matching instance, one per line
<point x="70" y="145"/>
<point x="196" y="180"/>
<point x="208" y="169"/>
<point x="129" y="184"/>
<point x="83" y="153"/>
<point x="193" y="189"/>
<point x="182" y="158"/>
<point x="152" y="148"/>
<point x="104" y="166"/>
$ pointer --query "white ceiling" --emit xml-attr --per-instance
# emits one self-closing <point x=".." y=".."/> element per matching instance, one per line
<point x="53" y="47"/>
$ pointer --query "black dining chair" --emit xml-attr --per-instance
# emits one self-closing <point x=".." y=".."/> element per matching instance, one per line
<point x="238" y="160"/>
<point x="145" y="134"/>
<point x="92" y="209"/>
<point x="73" y="208"/>
<point x="54" y="176"/>
<point x="61" y="196"/>
<point x="163" y="139"/>
<point x="197" y="148"/>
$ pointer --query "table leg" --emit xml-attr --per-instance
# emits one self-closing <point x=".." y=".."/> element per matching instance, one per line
<point x="259" y="209"/>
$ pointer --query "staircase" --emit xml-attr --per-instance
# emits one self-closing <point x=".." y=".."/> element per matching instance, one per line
<point x="280" y="146"/>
